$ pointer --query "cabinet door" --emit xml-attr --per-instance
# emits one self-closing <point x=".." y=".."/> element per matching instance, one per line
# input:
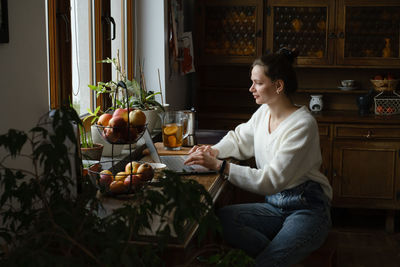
<point x="366" y="174"/>
<point x="304" y="25"/>
<point x="326" y="149"/>
<point x="368" y="32"/>
<point x="229" y="31"/>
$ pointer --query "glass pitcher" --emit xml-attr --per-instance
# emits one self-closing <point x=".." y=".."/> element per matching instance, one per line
<point x="174" y="129"/>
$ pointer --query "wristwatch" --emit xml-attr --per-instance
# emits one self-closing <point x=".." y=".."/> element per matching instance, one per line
<point x="222" y="169"/>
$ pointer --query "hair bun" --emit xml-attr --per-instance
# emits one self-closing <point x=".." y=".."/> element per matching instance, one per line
<point x="290" y="54"/>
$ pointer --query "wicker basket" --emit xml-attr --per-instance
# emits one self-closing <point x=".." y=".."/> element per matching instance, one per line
<point x="387" y="103"/>
<point x="385" y="85"/>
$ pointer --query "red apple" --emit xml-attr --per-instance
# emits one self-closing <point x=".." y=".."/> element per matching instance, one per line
<point x="137" y="118"/>
<point x="121" y="112"/>
<point x="378" y="77"/>
<point x="132" y="180"/>
<point x="106" y="177"/>
<point x="111" y="135"/>
<point x="119" y="124"/>
<point x="104" y="119"/>
<point x="146" y="171"/>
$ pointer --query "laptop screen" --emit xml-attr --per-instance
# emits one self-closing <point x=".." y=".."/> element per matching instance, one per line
<point x="151" y="147"/>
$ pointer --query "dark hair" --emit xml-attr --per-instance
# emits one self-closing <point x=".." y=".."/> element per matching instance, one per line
<point x="279" y="66"/>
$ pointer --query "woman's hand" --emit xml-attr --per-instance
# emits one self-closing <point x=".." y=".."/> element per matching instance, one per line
<point x="205" y="156"/>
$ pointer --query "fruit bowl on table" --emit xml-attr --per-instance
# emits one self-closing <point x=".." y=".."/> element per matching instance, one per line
<point x="122" y="134"/>
<point x="121" y="179"/>
<point x="384" y="85"/>
<point x="123" y="126"/>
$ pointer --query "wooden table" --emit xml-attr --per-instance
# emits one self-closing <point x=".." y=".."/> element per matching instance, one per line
<point x="213" y="183"/>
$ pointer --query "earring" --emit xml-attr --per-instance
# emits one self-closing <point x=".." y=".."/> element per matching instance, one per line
<point x="278" y="92"/>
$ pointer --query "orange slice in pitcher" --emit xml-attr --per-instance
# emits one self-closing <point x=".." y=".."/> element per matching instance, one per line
<point x="169" y="130"/>
<point x="172" y="141"/>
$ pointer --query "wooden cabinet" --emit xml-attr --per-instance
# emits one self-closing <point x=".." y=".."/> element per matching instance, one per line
<point x="368" y="33"/>
<point x="341" y="32"/>
<point x="229" y="31"/>
<point x="363" y="160"/>
<point x="365" y="166"/>
<point x="325" y="32"/>
<point x="325" y="138"/>
<point x="307" y="26"/>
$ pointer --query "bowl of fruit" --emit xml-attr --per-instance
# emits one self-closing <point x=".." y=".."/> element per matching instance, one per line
<point x="117" y="181"/>
<point x="123" y="126"/>
<point x="384" y="83"/>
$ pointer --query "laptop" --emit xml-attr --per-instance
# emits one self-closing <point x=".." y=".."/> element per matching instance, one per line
<point x="173" y="162"/>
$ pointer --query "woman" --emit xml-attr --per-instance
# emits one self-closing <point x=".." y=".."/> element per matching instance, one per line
<point x="283" y="138"/>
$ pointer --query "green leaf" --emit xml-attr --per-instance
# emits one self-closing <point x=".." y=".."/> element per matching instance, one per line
<point x="13" y="141"/>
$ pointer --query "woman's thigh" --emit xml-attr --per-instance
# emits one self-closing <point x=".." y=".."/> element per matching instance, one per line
<point x="302" y="232"/>
<point x="251" y="226"/>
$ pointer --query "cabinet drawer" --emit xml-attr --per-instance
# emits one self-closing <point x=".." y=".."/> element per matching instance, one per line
<point x="324" y="130"/>
<point x="367" y="131"/>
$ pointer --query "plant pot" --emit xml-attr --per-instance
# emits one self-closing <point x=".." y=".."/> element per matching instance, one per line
<point x="92" y="153"/>
<point x="108" y="148"/>
<point x="151" y="119"/>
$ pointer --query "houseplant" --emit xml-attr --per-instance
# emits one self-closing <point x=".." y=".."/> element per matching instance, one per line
<point x="133" y="94"/>
<point x="89" y="149"/>
<point x="45" y="222"/>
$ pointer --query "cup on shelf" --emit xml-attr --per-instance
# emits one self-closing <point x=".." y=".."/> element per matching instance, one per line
<point x="347" y="83"/>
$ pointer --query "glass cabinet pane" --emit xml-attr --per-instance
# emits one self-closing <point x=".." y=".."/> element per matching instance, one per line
<point x="303" y="28"/>
<point x="230" y="30"/>
<point x="372" y="32"/>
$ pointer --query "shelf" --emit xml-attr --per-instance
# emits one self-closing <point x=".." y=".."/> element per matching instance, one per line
<point x="331" y="91"/>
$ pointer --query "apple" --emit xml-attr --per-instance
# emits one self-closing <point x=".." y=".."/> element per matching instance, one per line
<point x="121" y="112"/>
<point x="118" y="123"/>
<point x="104" y="119"/>
<point x="106" y="177"/>
<point x="390" y="76"/>
<point x="120" y="176"/>
<point x="146" y="171"/>
<point x="133" y="180"/>
<point x="132" y="167"/>
<point x="137" y="118"/>
<point x="378" y="77"/>
<point x="118" y="187"/>
<point x="111" y="135"/>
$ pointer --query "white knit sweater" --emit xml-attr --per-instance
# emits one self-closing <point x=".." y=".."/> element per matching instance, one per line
<point x="285" y="158"/>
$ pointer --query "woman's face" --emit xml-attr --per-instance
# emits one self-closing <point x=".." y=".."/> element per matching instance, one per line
<point x="263" y="89"/>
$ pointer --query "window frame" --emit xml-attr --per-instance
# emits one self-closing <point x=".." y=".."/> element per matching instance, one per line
<point x="60" y="55"/>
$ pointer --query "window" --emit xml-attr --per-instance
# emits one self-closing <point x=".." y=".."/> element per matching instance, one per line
<point x="81" y="33"/>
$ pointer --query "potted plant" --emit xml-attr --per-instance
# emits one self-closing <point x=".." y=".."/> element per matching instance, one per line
<point x="89" y="149"/>
<point x="135" y="95"/>
<point x="45" y="221"/>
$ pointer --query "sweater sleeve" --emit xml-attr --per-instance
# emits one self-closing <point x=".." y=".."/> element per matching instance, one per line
<point x="239" y="143"/>
<point x="298" y="153"/>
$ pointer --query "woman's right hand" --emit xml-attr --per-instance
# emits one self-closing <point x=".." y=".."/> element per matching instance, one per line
<point x="204" y="148"/>
<point x="205" y="156"/>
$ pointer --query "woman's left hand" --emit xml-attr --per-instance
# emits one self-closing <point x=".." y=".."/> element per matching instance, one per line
<point x="205" y="156"/>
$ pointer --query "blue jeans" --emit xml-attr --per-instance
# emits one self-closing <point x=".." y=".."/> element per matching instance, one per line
<point x="283" y="230"/>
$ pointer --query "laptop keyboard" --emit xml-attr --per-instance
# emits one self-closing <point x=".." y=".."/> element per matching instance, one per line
<point x="175" y="163"/>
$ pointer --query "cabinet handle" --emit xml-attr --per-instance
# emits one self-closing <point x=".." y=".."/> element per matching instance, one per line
<point x="258" y="33"/>
<point x="341" y="35"/>
<point x="332" y="35"/>
<point x="334" y="173"/>
<point x="369" y="134"/>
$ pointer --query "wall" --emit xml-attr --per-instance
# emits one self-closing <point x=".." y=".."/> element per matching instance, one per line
<point x="152" y="48"/>
<point x="23" y="66"/>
